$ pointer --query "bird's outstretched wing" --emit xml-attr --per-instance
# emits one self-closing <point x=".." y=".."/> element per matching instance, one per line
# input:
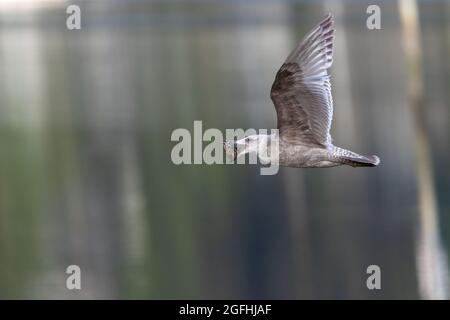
<point x="301" y="91"/>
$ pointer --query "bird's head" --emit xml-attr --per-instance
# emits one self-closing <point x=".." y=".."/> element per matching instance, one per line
<point x="231" y="150"/>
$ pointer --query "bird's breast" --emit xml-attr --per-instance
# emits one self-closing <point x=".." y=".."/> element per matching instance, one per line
<point x="302" y="156"/>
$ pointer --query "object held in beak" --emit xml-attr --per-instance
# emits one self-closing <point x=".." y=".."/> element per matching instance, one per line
<point x="231" y="149"/>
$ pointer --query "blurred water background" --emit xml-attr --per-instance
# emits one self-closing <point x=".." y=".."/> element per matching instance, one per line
<point x="86" y="176"/>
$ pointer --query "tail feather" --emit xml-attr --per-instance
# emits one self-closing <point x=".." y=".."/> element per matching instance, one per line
<point x="361" y="161"/>
<point x="354" y="159"/>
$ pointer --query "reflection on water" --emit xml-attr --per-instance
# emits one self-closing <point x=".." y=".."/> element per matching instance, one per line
<point x="85" y="124"/>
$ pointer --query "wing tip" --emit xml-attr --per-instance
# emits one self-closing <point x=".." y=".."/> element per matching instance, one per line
<point x="327" y="23"/>
<point x="323" y="32"/>
<point x="329" y="16"/>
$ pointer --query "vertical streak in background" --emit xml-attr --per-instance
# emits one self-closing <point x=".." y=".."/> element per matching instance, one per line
<point x="342" y="92"/>
<point x="346" y="129"/>
<point x="294" y="183"/>
<point x="431" y="259"/>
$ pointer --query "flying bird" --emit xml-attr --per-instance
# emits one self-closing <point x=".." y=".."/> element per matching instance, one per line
<point x="301" y="94"/>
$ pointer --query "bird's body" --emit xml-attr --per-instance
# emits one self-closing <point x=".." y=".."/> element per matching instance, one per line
<point x="299" y="156"/>
<point x="301" y="94"/>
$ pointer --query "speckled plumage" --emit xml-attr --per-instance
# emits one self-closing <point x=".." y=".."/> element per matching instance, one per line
<point x="301" y="94"/>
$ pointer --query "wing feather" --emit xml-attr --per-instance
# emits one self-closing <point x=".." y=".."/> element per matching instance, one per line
<point x="301" y="91"/>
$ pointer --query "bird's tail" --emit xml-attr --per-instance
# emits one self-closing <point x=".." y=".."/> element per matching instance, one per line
<point x="362" y="161"/>
<point x="356" y="160"/>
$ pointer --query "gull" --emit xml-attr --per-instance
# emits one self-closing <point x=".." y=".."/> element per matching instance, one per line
<point x="301" y="94"/>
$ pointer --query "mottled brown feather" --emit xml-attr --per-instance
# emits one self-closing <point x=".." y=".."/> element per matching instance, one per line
<point x="301" y="92"/>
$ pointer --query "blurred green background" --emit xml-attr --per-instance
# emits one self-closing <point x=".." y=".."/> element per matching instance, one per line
<point x="86" y="176"/>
